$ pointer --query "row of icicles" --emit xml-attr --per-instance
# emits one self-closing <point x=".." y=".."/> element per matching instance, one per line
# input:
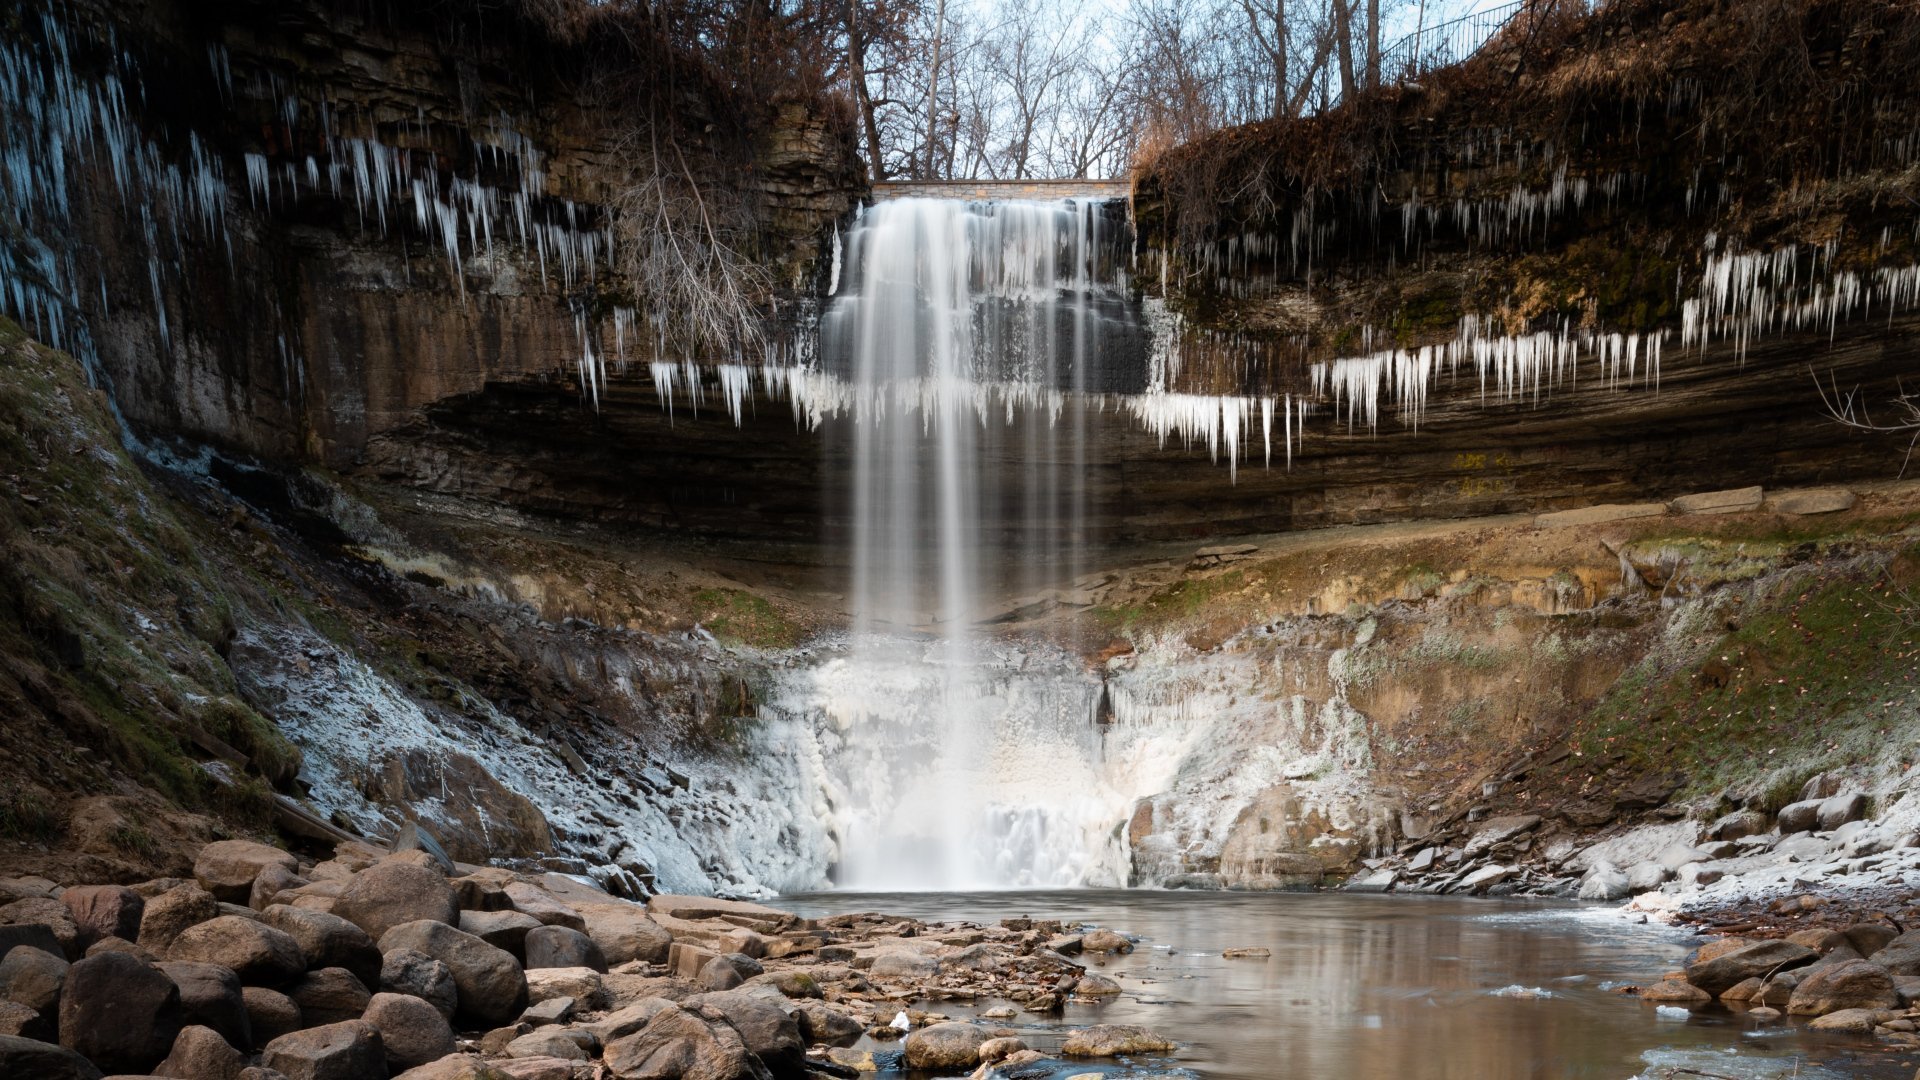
<point x="1741" y="297"/>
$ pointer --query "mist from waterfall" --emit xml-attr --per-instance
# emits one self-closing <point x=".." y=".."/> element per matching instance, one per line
<point x="958" y="511"/>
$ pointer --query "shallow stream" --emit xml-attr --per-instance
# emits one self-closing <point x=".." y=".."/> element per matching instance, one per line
<point x="1410" y="988"/>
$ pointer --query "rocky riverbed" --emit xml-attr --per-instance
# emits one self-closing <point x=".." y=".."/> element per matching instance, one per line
<point x="374" y="964"/>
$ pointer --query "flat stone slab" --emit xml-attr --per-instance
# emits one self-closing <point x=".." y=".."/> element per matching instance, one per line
<point x="1593" y="515"/>
<point x="1732" y="501"/>
<point x="1225" y="553"/>
<point x="1812" y="501"/>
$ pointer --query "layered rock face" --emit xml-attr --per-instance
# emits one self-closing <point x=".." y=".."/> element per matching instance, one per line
<point x="284" y="229"/>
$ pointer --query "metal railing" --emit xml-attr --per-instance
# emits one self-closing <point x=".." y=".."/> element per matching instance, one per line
<point x="1445" y="44"/>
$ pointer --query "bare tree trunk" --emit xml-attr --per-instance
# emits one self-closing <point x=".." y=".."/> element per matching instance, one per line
<point x="1373" y="43"/>
<point x="933" y="87"/>
<point x="1280" y="43"/>
<point x="857" y="73"/>
<point x="1316" y="72"/>
<point x="1343" y="46"/>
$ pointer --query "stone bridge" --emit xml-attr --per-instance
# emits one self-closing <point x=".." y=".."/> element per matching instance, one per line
<point x="980" y="190"/>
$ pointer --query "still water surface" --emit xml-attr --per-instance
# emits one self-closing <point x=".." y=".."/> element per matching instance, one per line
<point x="1407" y="988"/>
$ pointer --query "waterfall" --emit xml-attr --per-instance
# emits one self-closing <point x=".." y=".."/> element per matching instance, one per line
<point x="973" y="337"/>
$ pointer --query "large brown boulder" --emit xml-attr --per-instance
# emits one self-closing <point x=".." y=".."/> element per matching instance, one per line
<point x="1113" y="1040"/>
<point x="678" y="1045"/>
<point x="625" y="933"/>
<point x="770" y="1034"/>
<point x="500" y="929"/>
<point x="492" y="985"/>
<point x="412" y="1031"/>
<point x="533" y="900"/>
<point x="415" y="974"/>
<point x="104" y="911"/>
<point x="42" y="1061"/>
<point x="226" y="868"/>
<point x="1851" y="984"/>
<point x="270" y="1014"/>
<point x="1756" y="960"/>
<point x="166" y="915"/>
<point x="119" y="1012"/>
<point x="199" y="1053"/>
<point x="329" y="995"/>
<point x="17" y="1019"/>
<point x="946" y="1046"/>
<point x="211" y="996"/>
<point x="389" y="894"/>
<point x="327" y="941"/>
<point x="822" y="1023"/>
<point x="48" y="913"/>
<point x="259" y="954"/>
<point x="1901" y="956"/>
<point x="560" y="947"/>
<point x="33" y="977"/>
<point x="351" y="1050"/>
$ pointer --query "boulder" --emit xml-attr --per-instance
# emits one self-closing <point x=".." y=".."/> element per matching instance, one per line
<point x="412" y="837"/>
<point x="199" y="1053"/>
<point x="1106" y="941"/>
<point x="1738" y="825"/>
<point x="390" y="894"/>
<point x="770" y="1034"/>
<point x="1834" y="812"/>
<point x="1646" y="877"/>
<point x="996" y="1050"/>
<point x="545" y="1011"/>
<point x="412" y="1032"/>
<point x="738" y="912"/>
<point x="1594" y="515"/>
<point x="946" y="1046"/>
<point x="1605" y="882"/>
<point x="16" y="1019"/>
<point x="1868" y="939"/>
<point x="1900" y="956"/>
<point x="33" y="935"/>
<point x="1811" y="501"/>
<point x="1734" y="501"/>
<point x="119" y="1012"/>
<point x="583" y="985"/>
<point x="1758" y="959"/>
<point x="533" y="900"/>
<point x="415" y="974"/>
<point x="259" y="954"/>
<point x="330" y="995"/>
<point x="1094" y="984"/>
<point x="272" y="882"/>
<point x="1799" y="817"/>
<point x="550" y="1043"/>
<point x="114" y="944"/>
<point x="50" y="914"/>
<point x="456" y="1067"/>
<point x="350" y="1050"/>
<point x="618" y="1025"/>
<point x="33" y="977"/>
<point x="553" y="946"/>
<point x="1851" y="984"/>
<point x="1853" y="1021"/>
<point x="678" y="1044"/>
<point x="270" y="1013"/>
<point x="1486" y="877"/>
<point x="822" y="1024"/>
<point x="500" y="929"/>
<point x="625" y="933"/>
<point x="903" y="964"/>
<point x="327" y="941"/>
<point x="1677" y="991"/>
<point x="1113" y="1040"/>
<point x="492" y="985"/>
<point x="104" y="911"/>
<point x="164" y="916"/>
<point x="42" y="1061"/>
<point x="211" y="997"/>
<point x="477" y="893"/>
<point x="723" y="973"/>
<point x="226" y="868"/>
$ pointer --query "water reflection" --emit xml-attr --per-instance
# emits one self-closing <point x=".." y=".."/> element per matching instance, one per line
<point x="1412" y="988"/>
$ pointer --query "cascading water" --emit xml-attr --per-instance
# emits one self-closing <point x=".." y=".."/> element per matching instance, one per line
<point x="947" y="314"/>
